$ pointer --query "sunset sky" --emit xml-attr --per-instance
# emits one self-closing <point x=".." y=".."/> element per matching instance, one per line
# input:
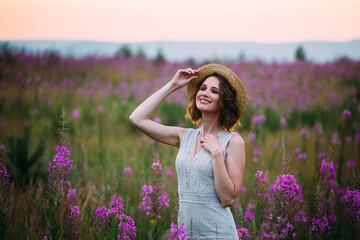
<point x="264" y="21"/>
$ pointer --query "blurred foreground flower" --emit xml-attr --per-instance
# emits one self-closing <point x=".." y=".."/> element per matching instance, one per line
<point x="243" y="233"/>
<point x="347" y="114"/>
<point x="178" y="232"/>
<point x="169" y="173"/>
<point x="127" y="171"/>
<point x="323" y="221"/>
<point x="155" y="198"/>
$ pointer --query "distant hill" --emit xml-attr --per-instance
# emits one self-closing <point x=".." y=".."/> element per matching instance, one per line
<point x="179" y="51"/>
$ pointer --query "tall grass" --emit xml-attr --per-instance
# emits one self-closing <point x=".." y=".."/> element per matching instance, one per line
<point x="296" y="112"/>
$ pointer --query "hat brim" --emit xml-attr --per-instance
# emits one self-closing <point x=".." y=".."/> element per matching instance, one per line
<point x="229" y="75"/>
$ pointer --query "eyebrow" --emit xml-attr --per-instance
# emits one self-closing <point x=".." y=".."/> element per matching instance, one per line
<point x="211" y="87"/>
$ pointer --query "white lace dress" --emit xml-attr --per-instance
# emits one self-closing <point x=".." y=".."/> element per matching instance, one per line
<point x="200" y="208"/>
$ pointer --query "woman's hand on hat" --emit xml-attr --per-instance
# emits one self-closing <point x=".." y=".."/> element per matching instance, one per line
<point x="183" y="77"/>
<point x="211" y="144"/>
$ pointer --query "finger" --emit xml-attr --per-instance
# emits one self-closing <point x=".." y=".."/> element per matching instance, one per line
<point x="192" y="78"/>
<point x="192" y="71"/>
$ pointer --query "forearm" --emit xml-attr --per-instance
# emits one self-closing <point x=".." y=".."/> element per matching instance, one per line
<point x="224" y="187"/>
<point x="146" y="108"/>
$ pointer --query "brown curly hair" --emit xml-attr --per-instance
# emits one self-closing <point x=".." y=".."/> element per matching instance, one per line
<point x="229" y="108"/>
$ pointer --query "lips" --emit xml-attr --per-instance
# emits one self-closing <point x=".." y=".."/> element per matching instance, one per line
<point x="203" y="100"/>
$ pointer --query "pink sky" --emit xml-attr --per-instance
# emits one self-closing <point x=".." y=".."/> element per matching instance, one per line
<point x="180" y="20"/>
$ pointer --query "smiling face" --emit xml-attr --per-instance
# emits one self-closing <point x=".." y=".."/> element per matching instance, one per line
<point x="208" y="96"/>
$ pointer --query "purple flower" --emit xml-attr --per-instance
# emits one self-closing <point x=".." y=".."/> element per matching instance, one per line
<point x="178" y="232"/>
<point x="357" y="137"/>
<point x="327" y="173"/>
<point x="301" y="157"/>
<point x="322" y="156"/>
<point x="169" y="173"/>
<point x="258" y="119"/>
<point x="237" y="207"/>
<point x="157" y="119"/>
<point x="72" y="194"/>
<point x="141" y="206"/>
<point x="288" y="199"/>
<point x="304" y="132"/>
<point x="243" y="233"/>
<point x="127" y="171"/>
<point x="320" y="228"/>
<point x="296" y="151"/>
<point x="318" y="127"/>
<point x="126" y="227"/>
<point x="37" y="79"/>
<point x="286" y="186"/>
<point x="335" y="140"/>
<point x="61" y="163"/>
<point x="115" y="211"/>
<point x="76" y="113"/>
<point x="74" y="213"/>
<point x="352" y="202"/>
<point x="156" y="167"/>
<point x="154" y="198"/>
<point x="251" y="136"/>
<point x="260" y="176"/>
<point x="347" y="114"/>
<point x="351" y="163"/>
<point x="283" y="122"/>
<point x="4" y="177"/>
<point x="249" y="214"/>
<point x="242" y="189"/>
<point x="257" y="152"/>
<point x="100" y="109"/>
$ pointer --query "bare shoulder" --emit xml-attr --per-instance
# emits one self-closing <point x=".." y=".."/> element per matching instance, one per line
<point x="236" y="141"/>
<point x="235" y="151"/>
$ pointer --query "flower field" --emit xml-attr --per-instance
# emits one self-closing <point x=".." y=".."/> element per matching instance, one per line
<point x="72" y="166"/>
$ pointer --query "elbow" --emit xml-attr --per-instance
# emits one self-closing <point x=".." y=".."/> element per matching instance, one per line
<point x="228" y="202"/>
<point x="133" y="120"/>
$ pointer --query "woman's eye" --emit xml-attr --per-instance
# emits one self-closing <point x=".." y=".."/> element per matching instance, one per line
<point x="203" y="88"/>
<point x="215" y="91"/>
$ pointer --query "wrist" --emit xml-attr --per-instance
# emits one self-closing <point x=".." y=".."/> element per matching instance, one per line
<point x="217" y="153"/>
<point x="170" y="86"/>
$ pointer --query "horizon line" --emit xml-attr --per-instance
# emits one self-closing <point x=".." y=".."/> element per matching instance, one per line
<point x="180" y="41"/>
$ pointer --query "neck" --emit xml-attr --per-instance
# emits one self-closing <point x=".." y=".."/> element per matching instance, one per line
<point x="210" y="124"/>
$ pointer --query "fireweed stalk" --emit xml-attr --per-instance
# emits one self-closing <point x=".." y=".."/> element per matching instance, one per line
<point x="243" y="234"/>
<point x="263" y="212"/>
<point x="178" y="232"/>
<point x="5" y="207"/>
<point x="155" y="198"/>
<point x="111" y="221"/>
<point x="323" y="221"/>
<point x="288" y="205"/>
<point x="63" y="215"/>
<point x="352" y="202"/>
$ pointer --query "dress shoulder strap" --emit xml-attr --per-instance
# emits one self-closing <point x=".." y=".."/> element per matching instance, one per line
<point x="224" y="138"/>
<point x="188" y="135"/>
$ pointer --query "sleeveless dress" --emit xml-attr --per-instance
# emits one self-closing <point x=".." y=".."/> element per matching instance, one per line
<point x="199" y="206"/>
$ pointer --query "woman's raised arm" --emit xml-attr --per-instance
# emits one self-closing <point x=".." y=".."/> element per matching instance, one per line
<point x="140" y="117"/>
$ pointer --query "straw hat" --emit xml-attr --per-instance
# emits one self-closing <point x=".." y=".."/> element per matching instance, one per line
<point x="231" y="77"/>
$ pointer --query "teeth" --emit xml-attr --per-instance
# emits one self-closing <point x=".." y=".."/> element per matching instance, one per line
<point x="204" y="101"/>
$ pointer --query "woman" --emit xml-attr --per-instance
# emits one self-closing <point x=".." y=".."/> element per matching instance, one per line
<point x="211" y="159"/>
